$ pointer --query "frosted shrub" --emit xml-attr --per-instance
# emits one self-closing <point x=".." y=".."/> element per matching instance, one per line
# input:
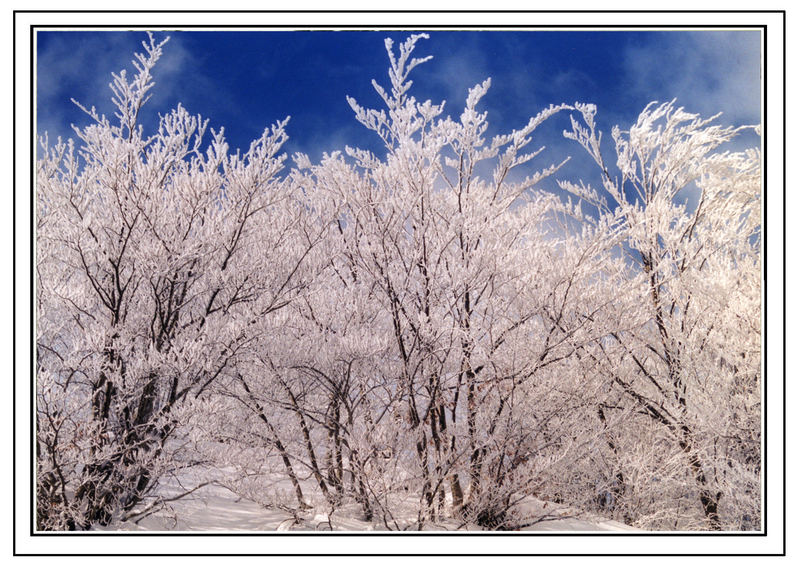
<point x="155" y="255"/>
<point x="424" y="338"/>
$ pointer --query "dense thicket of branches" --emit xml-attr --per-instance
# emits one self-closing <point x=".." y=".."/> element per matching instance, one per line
<point x="424" y="329"/>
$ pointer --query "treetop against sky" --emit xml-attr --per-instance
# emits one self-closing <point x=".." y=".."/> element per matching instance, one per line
<point x="246" y="80"/>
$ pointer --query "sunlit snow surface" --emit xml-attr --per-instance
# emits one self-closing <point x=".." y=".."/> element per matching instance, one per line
<point x="213" y="508"/>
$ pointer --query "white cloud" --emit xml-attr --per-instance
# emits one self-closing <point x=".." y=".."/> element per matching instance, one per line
<point x="81" y="70"/>
<point x="452" y="72"/>
<point x="707" y="72"/>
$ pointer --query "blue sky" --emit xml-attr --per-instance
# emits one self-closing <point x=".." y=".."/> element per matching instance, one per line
<point x="247" y="80"/>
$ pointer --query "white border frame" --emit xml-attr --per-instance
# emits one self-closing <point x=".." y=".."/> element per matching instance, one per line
<point x="530" y="543"/>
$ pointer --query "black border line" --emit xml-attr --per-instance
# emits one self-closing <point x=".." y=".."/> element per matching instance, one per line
<point x="354" y="27"/>
<point x="764" y="290"/>
<point x="367" y="28"/>
<point x="14" y="285"/>
<point x="423" y="555"/>
<point x="783" y="21"/>
<point x="400" y="11"/>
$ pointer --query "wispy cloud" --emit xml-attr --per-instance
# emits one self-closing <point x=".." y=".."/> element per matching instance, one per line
<point x="709" y="72"/>
<point x="459" y="64"/>
<point x="81" y="70"/>
<point x="68" y="69"/>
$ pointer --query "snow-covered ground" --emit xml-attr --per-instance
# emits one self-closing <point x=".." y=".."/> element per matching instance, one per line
<point x="214" y="508"/>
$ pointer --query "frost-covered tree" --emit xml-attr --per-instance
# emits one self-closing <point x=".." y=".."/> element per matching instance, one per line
<point x="424" y="336"/>
<point x="155" y="255"/>
<point x="482" y="288"/>
<point x="687" y="353"/>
